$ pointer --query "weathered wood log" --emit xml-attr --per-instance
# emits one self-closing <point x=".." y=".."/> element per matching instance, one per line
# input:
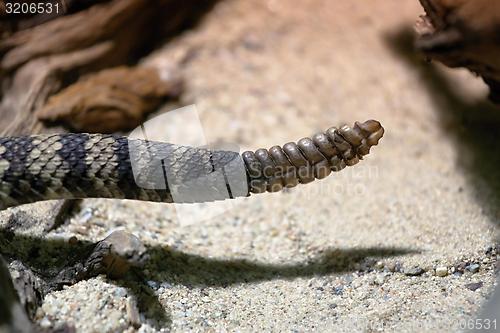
<point x="38" y="62"/>
<point x="115" y="21"/>
<point x="113" y="256"/>
<point x="112" y="100"/>
<point x="463" y="33"/>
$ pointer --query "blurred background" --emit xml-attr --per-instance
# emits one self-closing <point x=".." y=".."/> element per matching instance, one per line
<point x="405" y="241"/>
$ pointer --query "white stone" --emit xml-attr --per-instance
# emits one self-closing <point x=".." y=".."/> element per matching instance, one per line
<point x="442" y="271"/>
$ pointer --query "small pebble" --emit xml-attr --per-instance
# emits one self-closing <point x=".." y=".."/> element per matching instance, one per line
<point x="45" y="323"/>
<point x="356" y="284"/>
<point x="166" y="285"/>
<point x="120" y="292"/>
<point x="473" y="268"/>
<point x="73" y="240"/>
<point x="474" y="286"/>
<point x="86" y="215"/>
<point x="414" y="271"/>
<point x="153" y="284"/>
<point x="379" y="279"/>
<point x="338" y="290"/>
<point x="461" y="267"/>
<point x="391" y="267"/>
<point x="442" y="271"/>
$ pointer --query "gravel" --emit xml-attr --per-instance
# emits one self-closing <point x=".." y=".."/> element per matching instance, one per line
<point x="269" y="71"/>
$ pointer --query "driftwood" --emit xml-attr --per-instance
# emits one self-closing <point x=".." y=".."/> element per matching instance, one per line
<point x="112" y="100"/>
<point x="38" y="62"/>
<point x="464" y="33"/>
<point x="24" y="290"/>
<point x="130" y="25"/>
<point x="113" y="256"/>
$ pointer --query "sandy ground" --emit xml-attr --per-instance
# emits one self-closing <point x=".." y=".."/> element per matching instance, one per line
<point x="336" y="255"/>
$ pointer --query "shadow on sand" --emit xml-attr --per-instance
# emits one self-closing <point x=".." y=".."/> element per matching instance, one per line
<point x="473" y="126"/>
<point x="47" y="257"/>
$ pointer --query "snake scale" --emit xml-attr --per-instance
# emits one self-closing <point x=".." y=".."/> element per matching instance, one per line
<point x="70" y="166"/>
